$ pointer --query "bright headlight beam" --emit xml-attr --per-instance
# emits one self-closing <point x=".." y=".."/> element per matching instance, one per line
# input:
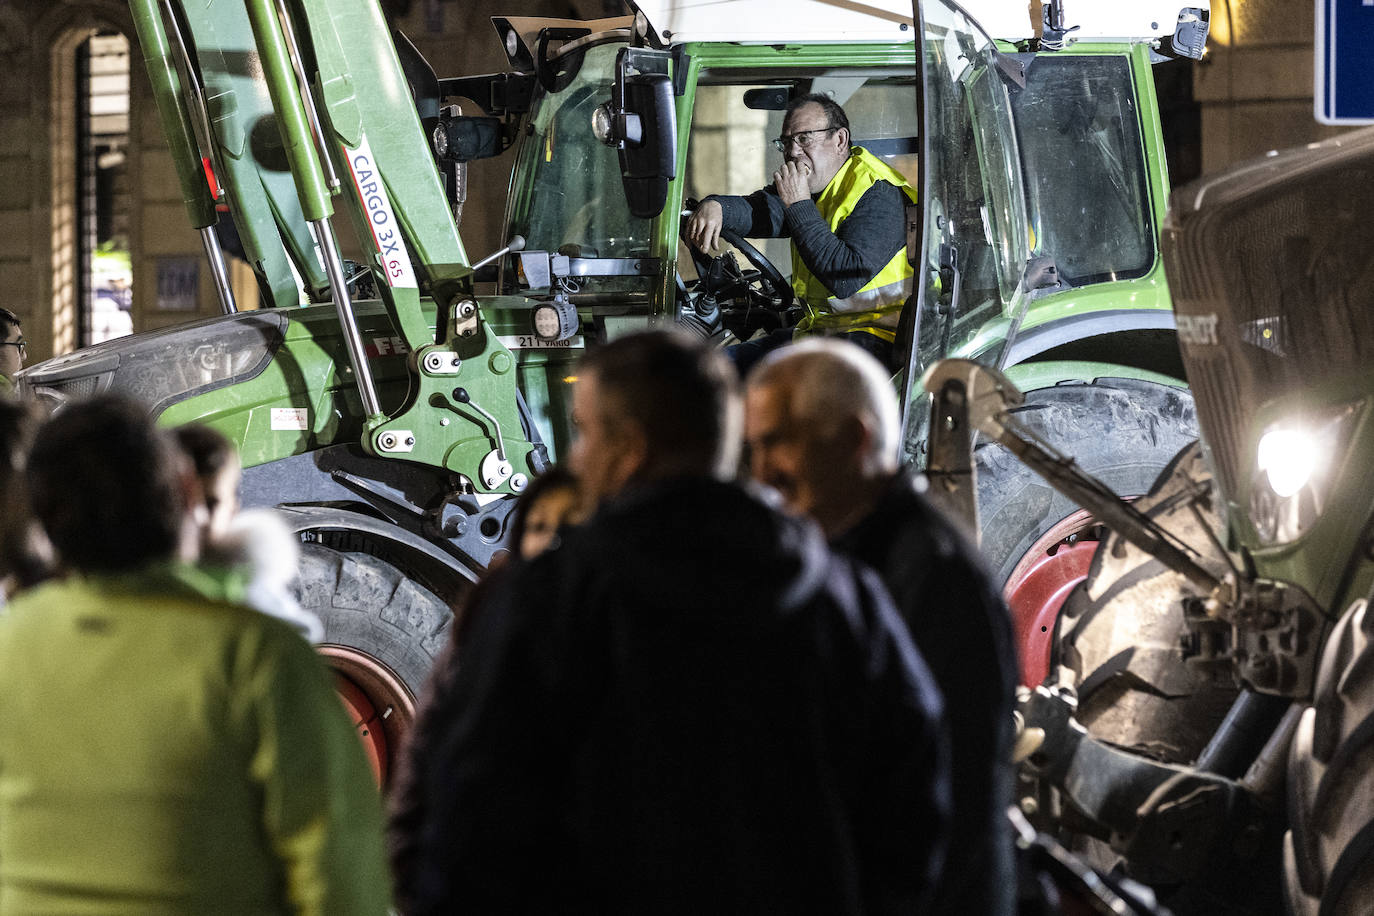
<point x="1289" y="457"/>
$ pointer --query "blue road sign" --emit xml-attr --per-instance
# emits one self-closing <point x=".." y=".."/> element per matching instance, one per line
<point x="1345" y="62"/>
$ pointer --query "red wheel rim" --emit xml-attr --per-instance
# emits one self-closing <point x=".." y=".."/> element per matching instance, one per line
<point x="1036" y="589"/>
<point x="380" y="705"/>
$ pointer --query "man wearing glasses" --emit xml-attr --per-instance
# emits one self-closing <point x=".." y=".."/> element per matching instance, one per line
<point x="844" y="210"/>
<point x="13" y="349"/>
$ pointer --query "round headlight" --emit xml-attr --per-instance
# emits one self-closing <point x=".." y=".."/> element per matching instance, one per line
<point x="1288" y="456"/>
<point x="603" y="124"/>
<point x="512" y="43"/>
<point x="1296" y="466"/>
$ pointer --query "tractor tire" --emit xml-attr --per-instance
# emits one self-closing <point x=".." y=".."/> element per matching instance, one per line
<point x="1121" y="431"/>
<point x="1329" y="849"/>
<point x="1119" y="631"/>
<point x="368" y="604"/>
<point x="1118" y="644"/>
<point x="1036" y="541"/>
<point x="382" y="634"/>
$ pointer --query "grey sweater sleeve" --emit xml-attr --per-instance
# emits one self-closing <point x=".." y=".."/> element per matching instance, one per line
<point x="845" y="261"/>
<point x="758" y="216"/>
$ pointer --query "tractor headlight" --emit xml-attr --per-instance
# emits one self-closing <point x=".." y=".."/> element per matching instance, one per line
<point x="603" y="124"/>
<point x="1296" y="463"/>
<point x="555" y="320"/>
<point x="164" y="366"/>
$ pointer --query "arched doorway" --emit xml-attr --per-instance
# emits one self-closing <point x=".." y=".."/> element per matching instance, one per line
<point x="90" y="194"/>
<point x="104" y="292"/>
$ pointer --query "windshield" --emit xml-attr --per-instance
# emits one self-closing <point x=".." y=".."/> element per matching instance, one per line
<point x="977" y="232"/>
<point x="571" y="200"/>
<point x="1273" y="299"/>
<point x="738" y="113"/>
<point x="1079" y="135"/>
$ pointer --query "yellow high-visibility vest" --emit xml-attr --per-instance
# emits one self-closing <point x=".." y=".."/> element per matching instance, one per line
<point x="874" y="308"/>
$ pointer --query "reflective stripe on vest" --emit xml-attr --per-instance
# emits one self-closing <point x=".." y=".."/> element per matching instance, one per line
<point x="875" y="307"/>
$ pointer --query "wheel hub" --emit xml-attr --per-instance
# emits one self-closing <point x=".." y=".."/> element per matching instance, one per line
<point x="381" y="707"/>
<point x="1037" y="587"/>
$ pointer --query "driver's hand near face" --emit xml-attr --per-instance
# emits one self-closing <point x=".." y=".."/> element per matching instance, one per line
<point x="793" y="182"/>
<point x="703" y="229"/>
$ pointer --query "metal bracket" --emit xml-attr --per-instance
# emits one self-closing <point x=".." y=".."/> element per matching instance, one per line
<point x="441" y="362"/>
<point x="1268" y="632"/>
<point x="950" y="470"/>
<point x="396" y="441"/>
<point x="465" y="316"/>
<point x="496" y="470"/>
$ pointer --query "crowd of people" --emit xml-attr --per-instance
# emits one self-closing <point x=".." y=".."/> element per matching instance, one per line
<point x="680" y="693"/>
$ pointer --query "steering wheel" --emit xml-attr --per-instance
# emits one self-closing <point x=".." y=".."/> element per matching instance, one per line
<point x="770" y="282"/>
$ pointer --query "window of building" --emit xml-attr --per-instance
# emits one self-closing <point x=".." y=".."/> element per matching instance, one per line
<point x="105" y="272"/>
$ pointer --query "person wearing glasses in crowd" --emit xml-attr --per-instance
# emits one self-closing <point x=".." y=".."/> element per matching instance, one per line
<point x="844" y="210"/>
<point x="13" y="350"/>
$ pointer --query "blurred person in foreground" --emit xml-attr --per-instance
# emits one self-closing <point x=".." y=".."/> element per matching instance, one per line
<point x="252" y="555"/>
<point x="24" y="557"/>
<point x="689" y="705"/>
<point x="164" y="752"/>
<point x="822" y="427"/>
<point x="13" y="350"/>
<point x="550" y="503"/>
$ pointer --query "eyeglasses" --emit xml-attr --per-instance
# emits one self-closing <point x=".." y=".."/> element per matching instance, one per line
<point x="21" y="343"/>
<point x="801" y="138"/>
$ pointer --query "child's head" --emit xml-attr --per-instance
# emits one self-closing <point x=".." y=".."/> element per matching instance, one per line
<point x="216" y="465"/>
<point x="551" y="501"/>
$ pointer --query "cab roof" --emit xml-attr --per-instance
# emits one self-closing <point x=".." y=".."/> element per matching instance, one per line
<point x="809" y="21"/>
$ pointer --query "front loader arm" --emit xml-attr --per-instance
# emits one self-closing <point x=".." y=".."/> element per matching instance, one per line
<point x="180" y="131"/>
<point x="176" y="120"/>
<point x="393" y="192"/>
<point x="219" y="83"/>
<point x="311" y="111"/>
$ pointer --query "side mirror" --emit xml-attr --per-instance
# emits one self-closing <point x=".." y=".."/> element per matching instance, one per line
<point x="767" y="98"/>
<point x="640" y="121"/>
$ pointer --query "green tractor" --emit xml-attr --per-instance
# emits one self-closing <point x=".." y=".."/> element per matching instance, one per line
<point x="393" y="412"/>
<point x="1206" y="728"/>
<point x="1277" y="329"/>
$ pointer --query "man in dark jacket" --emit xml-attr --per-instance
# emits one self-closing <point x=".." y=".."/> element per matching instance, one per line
<point x="687" y="706"/>
<point x="822" y="429"/>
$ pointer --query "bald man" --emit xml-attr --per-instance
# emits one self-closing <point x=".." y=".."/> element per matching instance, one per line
<point x="822" y="426"/>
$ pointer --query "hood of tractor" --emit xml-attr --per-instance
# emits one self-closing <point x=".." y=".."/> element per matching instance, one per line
<point x="1269" y="267"/>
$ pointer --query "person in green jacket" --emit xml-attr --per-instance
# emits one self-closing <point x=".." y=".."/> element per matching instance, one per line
<point x="163" y="751"/>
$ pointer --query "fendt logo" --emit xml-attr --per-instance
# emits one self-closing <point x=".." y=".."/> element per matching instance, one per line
<point x="1197" y="330"/>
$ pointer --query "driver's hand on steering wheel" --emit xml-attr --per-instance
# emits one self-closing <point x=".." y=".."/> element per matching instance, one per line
<point x="703" y="228"/>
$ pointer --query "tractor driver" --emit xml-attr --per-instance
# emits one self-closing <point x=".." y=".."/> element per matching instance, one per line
<point x="844" y="210"/>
